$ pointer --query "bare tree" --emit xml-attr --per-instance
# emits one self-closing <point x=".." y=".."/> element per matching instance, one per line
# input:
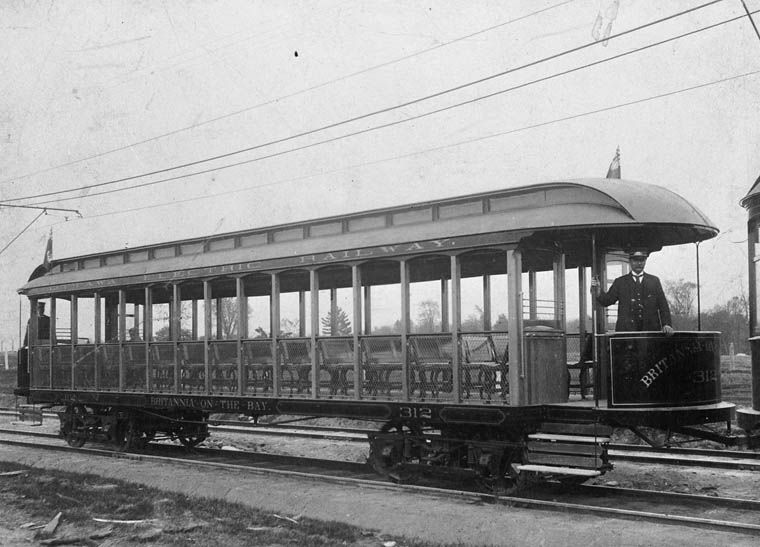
<point x="474" y="321"/>
<point x="681" y="295"/>
<point x="395" y="328"/>
<point x="731" y="320"/>
<point x="228" y="316"/>
<point x="428" y="316"/>
<point x="501" y="324"/>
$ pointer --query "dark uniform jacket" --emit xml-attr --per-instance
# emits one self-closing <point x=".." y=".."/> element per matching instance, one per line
<point x="641" y="306"/>
<point x="43" y="329"/>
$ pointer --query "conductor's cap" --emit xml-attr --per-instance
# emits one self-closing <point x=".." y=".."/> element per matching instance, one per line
<point x="638" y="253"/>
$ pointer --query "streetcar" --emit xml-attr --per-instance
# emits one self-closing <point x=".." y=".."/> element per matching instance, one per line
<point x="462" y="327"/>
<point x="748" y="418"/>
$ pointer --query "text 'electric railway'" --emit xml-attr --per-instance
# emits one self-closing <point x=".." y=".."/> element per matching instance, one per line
<point x="462" y="326"/>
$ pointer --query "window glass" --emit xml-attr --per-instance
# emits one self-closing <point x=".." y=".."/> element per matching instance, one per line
<point x="335" y="311"/>
<point x="538" y="305"/>
<point x="292" y="323"/>
<point x="135" y="315"/>
<point x="460" y="209"/>
<point x="85" y="319"/>
<point x="473" y="311"/>
<point x="109" y="317"/>
<point x="259" y="316"/>
<point x="224" y="318"/>
<point x="425" y="307"/>
<point x="385" y="309"/>
<point x="161" y="313"/>
<point x="62" y="321"/>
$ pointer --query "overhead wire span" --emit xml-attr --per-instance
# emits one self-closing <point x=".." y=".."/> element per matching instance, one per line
<point x="287" y="96"/>
<point x="459" y="143"/>
<point x="17" y="206"/>
<point x="355" y="118"/>
<point x="397" y="122"/>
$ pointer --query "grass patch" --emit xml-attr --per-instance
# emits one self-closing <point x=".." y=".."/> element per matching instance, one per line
<point x="36" y="495"/>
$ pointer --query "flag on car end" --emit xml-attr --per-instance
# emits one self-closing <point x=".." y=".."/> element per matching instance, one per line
<point x="614" y="171"/>
<point x="48" y="252"/>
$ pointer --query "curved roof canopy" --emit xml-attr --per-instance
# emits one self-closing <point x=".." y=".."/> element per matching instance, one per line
<point x="620" y="213"/>
<point x="753" y="192"/>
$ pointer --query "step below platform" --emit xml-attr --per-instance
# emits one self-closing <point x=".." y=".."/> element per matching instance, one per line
<point x="568" y="438"/>
<point x="567" y="448"/>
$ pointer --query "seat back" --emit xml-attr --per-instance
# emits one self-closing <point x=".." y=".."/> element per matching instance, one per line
<point x="336" y="351"/>
<point x="295" y="351"/>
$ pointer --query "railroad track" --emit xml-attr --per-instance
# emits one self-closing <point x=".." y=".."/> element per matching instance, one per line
<point x="726" y="514"/>
<point x="692" y="457"/>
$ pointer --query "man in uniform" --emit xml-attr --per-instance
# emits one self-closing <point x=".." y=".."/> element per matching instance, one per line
<point x="642" y="305"/>
<point x="43" y="325"/>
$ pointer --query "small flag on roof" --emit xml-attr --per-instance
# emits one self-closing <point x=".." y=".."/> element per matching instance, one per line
<point x="614" y="171"/>
<point x="48" y="251"/>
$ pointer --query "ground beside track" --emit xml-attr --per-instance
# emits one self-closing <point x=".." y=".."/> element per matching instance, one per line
<point x="435" y="520"/>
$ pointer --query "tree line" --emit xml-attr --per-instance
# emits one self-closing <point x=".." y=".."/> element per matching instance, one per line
<point x="731" y="318"/>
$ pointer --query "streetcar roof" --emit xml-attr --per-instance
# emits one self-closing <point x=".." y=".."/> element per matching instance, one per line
<point x="753" y="192"/>
<point x="621" y="210"/>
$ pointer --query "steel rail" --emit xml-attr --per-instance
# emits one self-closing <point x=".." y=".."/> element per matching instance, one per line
<point x="689" y="457"/>
<point x="521" y="501"/>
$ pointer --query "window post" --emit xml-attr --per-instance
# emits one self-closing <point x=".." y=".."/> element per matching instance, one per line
<point x="98" y="337"/>
<point x="120" y="335"/>
<point x="314" y="288"/>
<point x="175" y="326"/>
<point x="51" y="340"/>
<point x="356" y="283"/>
<point x="487" y="321"/>
<point x="404" y="274"/>
<point x="242" y="316"/>
<point x="207" y="333"/>
<point x="74" y="335"/>
<point x="456" y="324"/>
<point x="275" y="332"/>
<point x="148" y="336"/>
<point x="559" y="291"/>
<point x="517" y="394"/>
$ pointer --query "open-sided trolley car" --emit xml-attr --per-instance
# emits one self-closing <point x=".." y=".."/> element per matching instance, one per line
<point x="462" y="326"/>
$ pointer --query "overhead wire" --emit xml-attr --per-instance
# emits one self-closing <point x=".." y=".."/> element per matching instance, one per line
<point x="287" y="96"/>
<point x="751" y="20"/>
<point x="43" y="212"/>
<point x="353" y="119"/>
<point x="458" y="143"/>
<point x="406" y="120"/>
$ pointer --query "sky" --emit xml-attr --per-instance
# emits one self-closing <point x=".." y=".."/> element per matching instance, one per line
<point x="332" y="104"/>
